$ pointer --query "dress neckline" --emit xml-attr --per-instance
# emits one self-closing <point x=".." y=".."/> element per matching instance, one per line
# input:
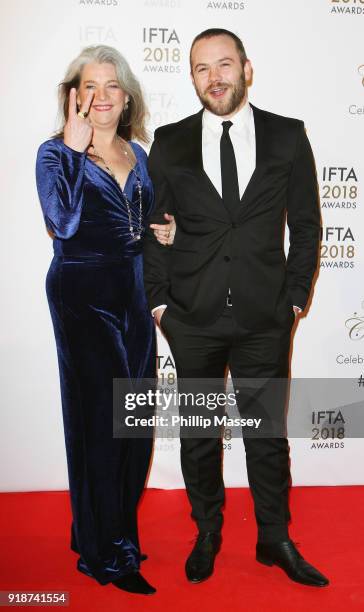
<point x="132" y="170"/>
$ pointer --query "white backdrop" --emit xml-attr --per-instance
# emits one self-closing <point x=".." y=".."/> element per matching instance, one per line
<point x="308" y="61"/>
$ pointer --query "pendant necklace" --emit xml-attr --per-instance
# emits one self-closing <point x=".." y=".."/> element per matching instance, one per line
<point x="135" y="233"/>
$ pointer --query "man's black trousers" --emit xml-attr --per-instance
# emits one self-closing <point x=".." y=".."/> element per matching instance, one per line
<point x="260" y="357"/>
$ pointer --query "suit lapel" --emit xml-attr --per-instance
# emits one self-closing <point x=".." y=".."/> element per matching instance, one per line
<point x="194" y="159"/>
<point x="260" y="157"/>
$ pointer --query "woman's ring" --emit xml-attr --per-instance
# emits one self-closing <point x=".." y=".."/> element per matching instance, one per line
<point x="82" y="114"/>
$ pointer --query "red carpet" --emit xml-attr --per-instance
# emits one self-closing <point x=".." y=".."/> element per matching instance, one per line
<point x="328" y="526"/>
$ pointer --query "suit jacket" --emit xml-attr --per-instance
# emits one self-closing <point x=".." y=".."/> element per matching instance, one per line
<point x="243" y="250"/>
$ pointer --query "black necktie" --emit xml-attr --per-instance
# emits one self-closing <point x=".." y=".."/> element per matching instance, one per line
<point x="229" y="173"/>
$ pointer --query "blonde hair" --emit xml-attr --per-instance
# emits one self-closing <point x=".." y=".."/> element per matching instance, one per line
<point x="132" y="120"/>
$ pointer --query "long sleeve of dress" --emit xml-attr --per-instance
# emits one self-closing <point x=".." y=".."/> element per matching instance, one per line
<point x="60" y="176"/>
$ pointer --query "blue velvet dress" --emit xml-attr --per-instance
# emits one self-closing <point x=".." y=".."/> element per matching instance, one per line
<point x="103" y="330"/>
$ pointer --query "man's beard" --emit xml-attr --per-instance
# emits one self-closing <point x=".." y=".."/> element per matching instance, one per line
<point x="231" y="104"/>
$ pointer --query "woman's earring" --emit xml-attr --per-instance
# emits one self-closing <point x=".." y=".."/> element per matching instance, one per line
<point x="126" y="106"/>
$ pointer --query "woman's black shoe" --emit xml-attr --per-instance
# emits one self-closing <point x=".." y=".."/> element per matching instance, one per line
<point x="134" y="583"/>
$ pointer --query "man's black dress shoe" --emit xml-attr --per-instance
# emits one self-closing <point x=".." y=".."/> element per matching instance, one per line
<point x="200" y="563"/>
<point x="134" y="583"/>
<point x="287" y="557"/>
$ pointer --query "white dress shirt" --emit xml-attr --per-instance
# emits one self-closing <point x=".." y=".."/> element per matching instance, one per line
<point x="242" y="135"/>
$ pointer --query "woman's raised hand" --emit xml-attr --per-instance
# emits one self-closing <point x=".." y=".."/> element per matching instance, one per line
<point x="78" y="130"/>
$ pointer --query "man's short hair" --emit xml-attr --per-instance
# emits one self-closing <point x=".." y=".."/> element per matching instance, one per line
<point x="211" y="32"/>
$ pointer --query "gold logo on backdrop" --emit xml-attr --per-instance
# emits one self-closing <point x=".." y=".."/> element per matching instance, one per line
<point x="355" y="325"/>
<point x="361" y="72"/>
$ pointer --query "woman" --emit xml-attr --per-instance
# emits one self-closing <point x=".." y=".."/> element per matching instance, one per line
<point x="96" y="197"/>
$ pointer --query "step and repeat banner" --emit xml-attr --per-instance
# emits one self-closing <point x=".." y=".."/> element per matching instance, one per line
<point x="308" y="60"/>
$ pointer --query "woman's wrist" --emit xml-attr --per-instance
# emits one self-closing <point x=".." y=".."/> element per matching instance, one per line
<point x="72" y="148"/>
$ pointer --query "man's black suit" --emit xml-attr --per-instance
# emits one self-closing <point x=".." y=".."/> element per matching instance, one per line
<point x="215" y="250"/>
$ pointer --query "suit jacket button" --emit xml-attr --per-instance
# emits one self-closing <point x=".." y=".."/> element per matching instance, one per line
<point x="226" y="258"/>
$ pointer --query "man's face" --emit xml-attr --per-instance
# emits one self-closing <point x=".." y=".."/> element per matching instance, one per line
<point x="218" y="75"/>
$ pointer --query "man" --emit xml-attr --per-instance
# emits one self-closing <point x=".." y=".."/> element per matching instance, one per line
<point x="224" y="294"/>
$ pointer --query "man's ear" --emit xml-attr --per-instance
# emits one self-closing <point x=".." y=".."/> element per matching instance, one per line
<point x="248" y="71"/>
